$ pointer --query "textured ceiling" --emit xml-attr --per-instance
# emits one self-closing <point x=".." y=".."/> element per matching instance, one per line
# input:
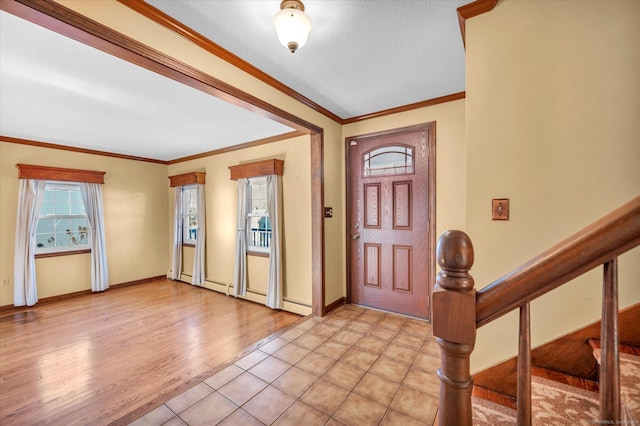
<point x="57" y="90"/>
<point x="361" y="57"/>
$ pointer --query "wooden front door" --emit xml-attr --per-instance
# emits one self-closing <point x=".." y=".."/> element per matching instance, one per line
<point x="390" y="222"/>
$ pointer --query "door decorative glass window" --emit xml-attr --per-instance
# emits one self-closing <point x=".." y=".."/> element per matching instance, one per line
<point x="389" y="160"/>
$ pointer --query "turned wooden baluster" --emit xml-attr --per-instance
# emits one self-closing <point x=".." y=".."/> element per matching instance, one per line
<point x="609" y="356"/>
<point x="524" y="368"/>
<point x="454" y="325"/>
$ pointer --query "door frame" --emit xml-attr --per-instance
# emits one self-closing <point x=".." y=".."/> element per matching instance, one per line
<point x="430" y="128"/>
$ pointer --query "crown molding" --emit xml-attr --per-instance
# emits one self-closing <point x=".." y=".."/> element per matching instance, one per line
<point x="470" y="10"/>
<point x="56" y="17"/>
<point x="52" y="15"/>
<point x="251" y="144"/>
<point x="75" y="149"/>
<point x="176" y="26"/>
<point x="408" y="107"/>
<point x="198" y="39"/>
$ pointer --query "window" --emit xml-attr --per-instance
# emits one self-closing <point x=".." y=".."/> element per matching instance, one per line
<point x="390" y="160"/>
<point x="62" y="223"/>
<point x="189" y="214"/>
<point x="258" y="225"/>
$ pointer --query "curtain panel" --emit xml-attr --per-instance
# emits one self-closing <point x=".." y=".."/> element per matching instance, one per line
<point x="274" y="209"/>
<point x="240" y="264"/>
<point x="30" y="197"/>
<point x="198" y="276"/>
<point x="176" y="245"/>
<point x="92" y="198"/>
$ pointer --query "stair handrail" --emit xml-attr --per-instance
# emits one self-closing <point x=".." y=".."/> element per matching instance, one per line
<point x="608" y="237"/>
<point x="458" y="310"/>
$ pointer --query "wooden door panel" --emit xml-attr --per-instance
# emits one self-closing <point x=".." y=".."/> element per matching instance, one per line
<point x="372" y="254"/>
<point x="402" y="205"/>
<point x="390" y="230"/>
<point x="402" y="268"/>
<point x="372" y="205"/>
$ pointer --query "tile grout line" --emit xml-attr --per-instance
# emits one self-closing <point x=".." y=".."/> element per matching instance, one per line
<point x="346" y="320"/>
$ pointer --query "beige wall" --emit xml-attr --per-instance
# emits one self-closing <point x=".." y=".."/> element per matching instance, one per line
<point x="221" y="196"/>
<point x="135" y="208"/>
<point x="122" y="19"/>
<point x="552" y="123"/>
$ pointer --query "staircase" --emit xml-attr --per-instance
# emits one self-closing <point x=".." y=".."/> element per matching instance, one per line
<point x="543" y="397"/>
<point x="560" y="399"/>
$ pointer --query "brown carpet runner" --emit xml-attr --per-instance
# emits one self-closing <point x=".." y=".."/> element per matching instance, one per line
<point x="629" y="386"/>
<point x="487" y="413"/>
<point x="558" y="404"/>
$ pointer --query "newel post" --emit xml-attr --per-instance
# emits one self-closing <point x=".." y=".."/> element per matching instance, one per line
<point x="454" y="325"/>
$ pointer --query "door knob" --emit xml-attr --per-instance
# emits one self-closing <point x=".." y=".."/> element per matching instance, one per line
<point x="356" y="236"/>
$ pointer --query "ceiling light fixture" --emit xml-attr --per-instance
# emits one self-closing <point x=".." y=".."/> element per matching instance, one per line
<point x="292" y="24"/>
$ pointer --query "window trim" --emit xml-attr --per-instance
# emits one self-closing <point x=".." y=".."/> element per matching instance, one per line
<point x="185" y="179"/>
<point x="30" y="171"/>
<point x="188" y="241"/>
<point x="257" y="168"/>
<point x="61" y="253"/>
<point x="252" y="249"/>
<point x="48" y="173"/>
<point x="257" y="253"/>
<point x="41" y="252"/>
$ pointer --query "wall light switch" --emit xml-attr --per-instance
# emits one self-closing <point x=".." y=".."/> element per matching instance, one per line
<point x="500" y="209"/>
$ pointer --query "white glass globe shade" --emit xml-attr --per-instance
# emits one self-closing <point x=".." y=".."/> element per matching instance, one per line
<point x="292" y="26"/>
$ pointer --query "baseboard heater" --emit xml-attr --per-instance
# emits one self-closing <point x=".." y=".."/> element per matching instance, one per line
<point x="288" y="305"/>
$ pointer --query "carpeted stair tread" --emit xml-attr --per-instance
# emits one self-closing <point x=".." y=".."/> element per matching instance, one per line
<point x="629" y="385"/>
<point x="488" y="413"/>
<point x="558" y="404"/>
<point x="493" y="396"/>
<point x="622" y="348"/>
<point x="566" y="379"/>
<point x="552" y="403"/>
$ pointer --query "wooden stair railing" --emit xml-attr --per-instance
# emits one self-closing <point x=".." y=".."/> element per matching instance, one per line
<point x="458" y="310"/>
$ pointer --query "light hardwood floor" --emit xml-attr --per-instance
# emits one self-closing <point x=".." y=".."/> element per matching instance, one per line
<point x="96" y="358"/>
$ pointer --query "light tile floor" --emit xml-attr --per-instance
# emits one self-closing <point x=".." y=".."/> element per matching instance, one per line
<point x="355" y="366"/>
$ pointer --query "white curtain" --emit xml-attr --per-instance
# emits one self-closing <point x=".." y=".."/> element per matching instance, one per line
<point x="240" y="268"/>
<point x="176" y="256"/>
<point x="198" y="276"/>
<point x="24" y="268"/>
<point x="274" y="209"/>
<point x="92" y="197"/>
